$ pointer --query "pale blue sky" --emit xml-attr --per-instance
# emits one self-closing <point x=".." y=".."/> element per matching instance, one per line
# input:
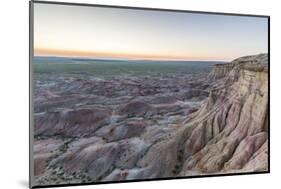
<point x="113" y="32"/>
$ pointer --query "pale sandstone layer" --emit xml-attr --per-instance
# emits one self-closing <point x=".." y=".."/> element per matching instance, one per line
<point x="214" y="126"/>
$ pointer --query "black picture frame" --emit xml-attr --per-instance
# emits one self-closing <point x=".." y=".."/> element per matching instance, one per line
<point x="31" y="54"/>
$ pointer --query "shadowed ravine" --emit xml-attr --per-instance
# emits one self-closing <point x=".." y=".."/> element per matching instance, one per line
<point x="90" y="129"/>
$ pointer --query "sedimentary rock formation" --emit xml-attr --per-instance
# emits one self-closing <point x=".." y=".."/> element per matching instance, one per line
<point x="186" y="125"/>
<point x="236" y="120"/>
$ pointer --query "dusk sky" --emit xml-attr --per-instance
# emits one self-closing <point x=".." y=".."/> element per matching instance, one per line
<point x="79" y="31"/>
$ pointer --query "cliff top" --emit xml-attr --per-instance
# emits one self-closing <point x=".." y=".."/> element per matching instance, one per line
<point x="254" y="63"/>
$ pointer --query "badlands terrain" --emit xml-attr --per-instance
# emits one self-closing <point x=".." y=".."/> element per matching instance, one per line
<point x="126" y="127"/>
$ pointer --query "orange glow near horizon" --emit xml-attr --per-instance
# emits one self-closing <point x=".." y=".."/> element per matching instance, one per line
<point x="90" y="54"/>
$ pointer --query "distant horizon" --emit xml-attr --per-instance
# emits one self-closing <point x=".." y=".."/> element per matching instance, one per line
<point x="78" y="31"/>
<point x="135" y="59"/>
<point x="124" y="59"/>
<point x="105" y="55"/>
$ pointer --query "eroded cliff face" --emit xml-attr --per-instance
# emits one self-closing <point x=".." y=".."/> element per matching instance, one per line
<point x="219" y="126"/>
<point x="234" y="121"/>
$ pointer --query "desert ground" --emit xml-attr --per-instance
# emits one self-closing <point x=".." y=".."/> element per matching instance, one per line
<point x="94" y="125"/>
